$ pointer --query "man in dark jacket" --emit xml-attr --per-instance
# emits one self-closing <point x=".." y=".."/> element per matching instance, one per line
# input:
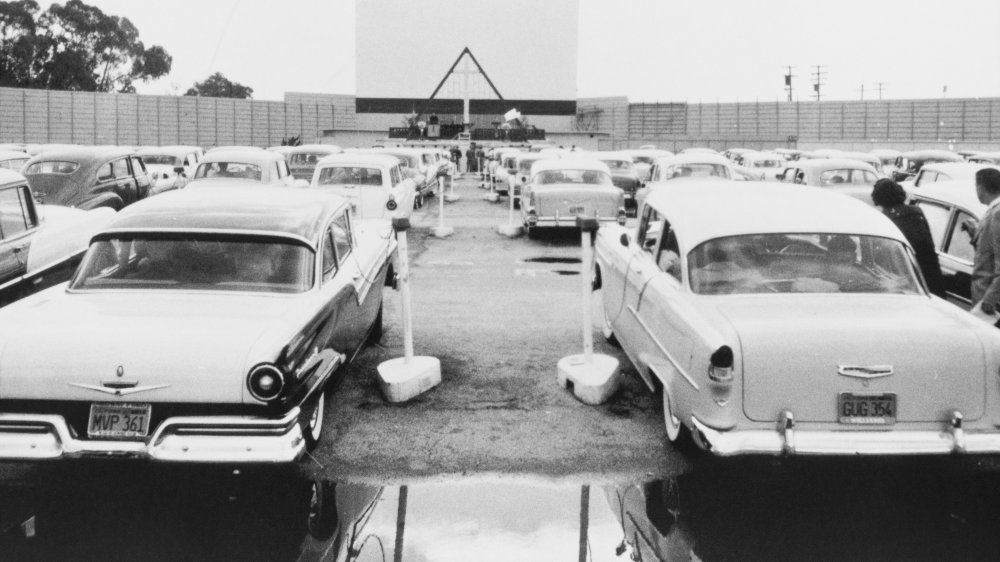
<point x="910" y="220"/>
<point x="986" y="268"/>
<point x="470" y="159"/>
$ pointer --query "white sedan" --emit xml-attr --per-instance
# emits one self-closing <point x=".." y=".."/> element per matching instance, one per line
<point x="200" y="327"/>
<point x="782" y="319"/>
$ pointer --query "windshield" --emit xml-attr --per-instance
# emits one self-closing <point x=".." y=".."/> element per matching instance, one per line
<point x="304" y="158"/>
<point x="525" y="165"/>
<point x="801" y="263"/>
<point x="581" y="177"/>
<point x="768" y="163"/>
<point x="14" y="164"/>
<point x="851" y="176"/>
<point x="228" y="170"/>
<point x="164" y="159"/>
<point x="694" y="170"/>
<point x="52" y="167"/>
<point x="350" y="175"/>
<point x="201" y="262"/>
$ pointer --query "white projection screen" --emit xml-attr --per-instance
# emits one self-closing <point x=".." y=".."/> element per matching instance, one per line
<point x="526" y="48"/>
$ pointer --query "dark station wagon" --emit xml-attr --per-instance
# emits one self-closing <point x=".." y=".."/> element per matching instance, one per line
<point x="88" y="177"/>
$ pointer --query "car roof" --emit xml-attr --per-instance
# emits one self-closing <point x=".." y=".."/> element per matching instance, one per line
<point x="569" y="164"/>
<point x="249" y="156"/>
<point x="965" y="169"/>
<point x="932" y="153"/>
<point x="248" y="207"/>
<point x="832" y="164"/>
<point x="331" y="148"/>
<point x="10" y="176"/>
<point x="953" y="192"/>
<point x="716" y="208"/>
<point x="12" y="154"/>
<point x="885" y="152"/>
<point x="759" y="155"/>
<point x="366" y="158"/>
<point x="81" y="153"/>
<point x="176" y="151"/>
<point x="693" y="158"/>
<point x="537" y="156"/>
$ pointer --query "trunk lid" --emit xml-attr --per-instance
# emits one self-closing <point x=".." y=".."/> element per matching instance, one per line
<point x="573" y="200"/>
<point x="793" y="355"/>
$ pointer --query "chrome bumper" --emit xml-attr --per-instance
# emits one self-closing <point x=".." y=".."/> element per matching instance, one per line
<point x="785" y="439"/>
<point x="204" y="439"/>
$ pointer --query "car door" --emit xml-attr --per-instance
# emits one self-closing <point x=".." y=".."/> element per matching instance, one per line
<point x="125" y="183"/>
<point x="17" y="227"/>
<point x="957" y="257"/>
<point x="142" y="182"/>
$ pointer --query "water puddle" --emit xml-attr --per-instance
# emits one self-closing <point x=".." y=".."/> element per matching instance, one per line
<point x="547" y="259"/>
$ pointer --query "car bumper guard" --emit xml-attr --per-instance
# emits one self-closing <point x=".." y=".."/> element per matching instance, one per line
<point x="787" y="440"/>
<point x="202" y="439"/>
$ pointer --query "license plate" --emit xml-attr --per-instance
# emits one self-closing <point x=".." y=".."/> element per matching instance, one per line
<point x="875" y="409"/>
<point x="118" y="420"/>
<point x="576" y="210"/>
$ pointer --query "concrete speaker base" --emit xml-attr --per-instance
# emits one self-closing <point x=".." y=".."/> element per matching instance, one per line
<point x="593" y="382"/>
<point x="401" y="381"/>
<point x="511" y="230"/>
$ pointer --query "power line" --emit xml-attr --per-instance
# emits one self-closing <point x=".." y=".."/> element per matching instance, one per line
<point x="818" y="75"/>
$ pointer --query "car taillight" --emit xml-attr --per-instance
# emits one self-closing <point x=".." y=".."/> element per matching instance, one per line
<point x="265" y="382"/>
<point x="720" y="367"/>
<point x="391" y="204"/>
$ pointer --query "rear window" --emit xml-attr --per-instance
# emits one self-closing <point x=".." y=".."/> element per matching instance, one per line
<point x="304" y="158"/>
<point x="228" y="170"/>
<point x="349" y="175"/>
<point x="162" y="159"/>
<point x="52" y="167"/>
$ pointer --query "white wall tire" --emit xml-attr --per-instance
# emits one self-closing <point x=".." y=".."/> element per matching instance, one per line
<point x="312" y="421"/>
<point x="673" y="424"/>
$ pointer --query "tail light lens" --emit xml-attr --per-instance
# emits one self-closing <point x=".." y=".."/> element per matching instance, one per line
<point x="265" y="382"/>
<point x="720" y="367"/>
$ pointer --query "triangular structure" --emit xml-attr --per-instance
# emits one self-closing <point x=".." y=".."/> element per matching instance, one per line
<point x="452" y="86"/>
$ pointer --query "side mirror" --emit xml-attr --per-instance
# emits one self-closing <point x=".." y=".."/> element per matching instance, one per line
<point x="624" y="240"/>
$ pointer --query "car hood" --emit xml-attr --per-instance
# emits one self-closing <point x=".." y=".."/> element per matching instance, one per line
<point x="197" y="347"/>
<point x="793" y="352"/>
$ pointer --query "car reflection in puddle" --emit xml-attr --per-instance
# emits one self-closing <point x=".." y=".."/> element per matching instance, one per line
<point x="733" y="511"/>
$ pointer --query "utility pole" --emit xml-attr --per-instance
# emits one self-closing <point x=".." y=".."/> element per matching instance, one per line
<point x="818" y="77"/>
<point x="862" y="92"/>
<point x="880" y="86"/>
<point x="788" y="81"/>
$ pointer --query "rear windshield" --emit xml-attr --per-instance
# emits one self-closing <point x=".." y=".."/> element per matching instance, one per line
<point x="162" y="159"/>
<point x="581" y="177"/>
<point x="228" y="170"/>
<point x="52" y="167"/>
<point x="619" y="165"/>
<point x="304" y="158"/>
<point x="694" y="170"/>
<point x="196" y="262"/>
<point x="801" y="263"/>
<point x="349" y="175"/>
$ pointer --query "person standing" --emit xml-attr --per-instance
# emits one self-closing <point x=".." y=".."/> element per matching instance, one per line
<point x="470" y="158"/>
<point x="910" y="220"/>
<point x="986" y="265"/>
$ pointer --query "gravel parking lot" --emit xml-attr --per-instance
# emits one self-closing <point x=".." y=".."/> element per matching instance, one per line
<point x="499" y="313"/>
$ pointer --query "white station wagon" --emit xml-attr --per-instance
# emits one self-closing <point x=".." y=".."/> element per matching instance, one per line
<point x="779" y="319"/>
<point x="374" y="184"/>
<point x="200" y="327"/>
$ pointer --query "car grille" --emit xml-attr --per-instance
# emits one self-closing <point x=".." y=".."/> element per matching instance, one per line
<point x="77" y="413"/>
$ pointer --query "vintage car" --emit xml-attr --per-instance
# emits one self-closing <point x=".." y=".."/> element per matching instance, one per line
<point x="953" y="211"/>
<point x="302" y="159"/>
<point x="200" y="327"/>
<point x="427" y="178"/>
<point x="559" y="190"/>
<point x="947" y="171"/>
<point x="985" y="158"/>
<point x="505" y="168"/>
<point x="866" y="157"/>
<point x="909" y="163"/>
<point x="13" y="159"/>
<point x="761" y="166"/>
<point x="373" y="183"/>
<point x="40" y="245"/>
<point x="843" y="175"/>
<point x="169" y="167"/>
<point x="623" y="175"/>
<point x="642" y="160"/>
<point x="888" y="158"/>
<point x="691" y="166"/>
<point x="235" y="166"/>
<point x="523" y="161"/>
<point x="88" y="177"/>
<point x="799" y="328"/>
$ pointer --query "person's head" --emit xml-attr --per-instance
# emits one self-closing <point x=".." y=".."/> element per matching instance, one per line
<point x="887" y="193"/>
<point x="988" y="185"/>
<point x="842" y="248"/>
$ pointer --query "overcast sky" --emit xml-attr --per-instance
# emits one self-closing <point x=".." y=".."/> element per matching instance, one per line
<point x="647" y="50"/>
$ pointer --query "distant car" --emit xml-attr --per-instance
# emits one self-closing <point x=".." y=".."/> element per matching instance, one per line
<point x="985" y="158"/>
<point x="868" y="158"/>
<point x="691" y="166"/>
<point x="523" y="161"/>
<point x="414" y="166"/>
<point x="888" y="158"/>
<point x="642" y="161"/>
<point x="373" y="183"/>
<point x="560" y="190"/>
<point x="909" y="163"/>
<point x="781" y="320"/>
<point x="953" y="212"/>
<point x="302" y="159"/>
<point x="88" y="177"/>
<point x="761" y="166"/>
<point x="169" y="167"/>
<point x="221" y="167"/>
<point x="947" y="171"/>
<point x="843" y="175"/>
<point x="199" y="328"/>
<point x="40" y="245"/>
<point x="13" y="160"/>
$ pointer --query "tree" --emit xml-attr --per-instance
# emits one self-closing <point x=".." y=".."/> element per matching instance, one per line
<point x="218" y="86"/>
<point x="74" y="47"/>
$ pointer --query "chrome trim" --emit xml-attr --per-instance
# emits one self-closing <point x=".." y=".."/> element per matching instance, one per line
<point x="228" y="231"/>
<point x="865" y="371"/>
<point x="194" y="439"/>
<point x="670" y="357"/>
<point x="111" y="388"/>
<point x="952" y="438"/>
